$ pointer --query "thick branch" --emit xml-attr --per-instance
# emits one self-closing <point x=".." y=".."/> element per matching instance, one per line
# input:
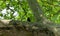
<point x="36" y="9"/>
<point x="28" y="26"/>
<point x="23" y="25"/>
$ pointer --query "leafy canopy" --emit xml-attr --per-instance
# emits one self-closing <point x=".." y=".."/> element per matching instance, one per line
<point x="19" y="10"/>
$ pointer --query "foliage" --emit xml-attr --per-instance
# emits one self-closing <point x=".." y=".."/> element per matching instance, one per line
<point x="51" y="9"/>
<point x="19" y="10"/>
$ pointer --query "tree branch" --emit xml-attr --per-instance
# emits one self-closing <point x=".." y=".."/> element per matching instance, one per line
<point x="29" y="26"/>
<point x="36" y="9"/>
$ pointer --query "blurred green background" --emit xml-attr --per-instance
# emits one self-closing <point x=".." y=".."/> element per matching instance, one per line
<point x="19" y="10"/>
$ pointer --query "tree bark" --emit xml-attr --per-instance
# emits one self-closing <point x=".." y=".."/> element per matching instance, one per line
<point x="36" y="9"/>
